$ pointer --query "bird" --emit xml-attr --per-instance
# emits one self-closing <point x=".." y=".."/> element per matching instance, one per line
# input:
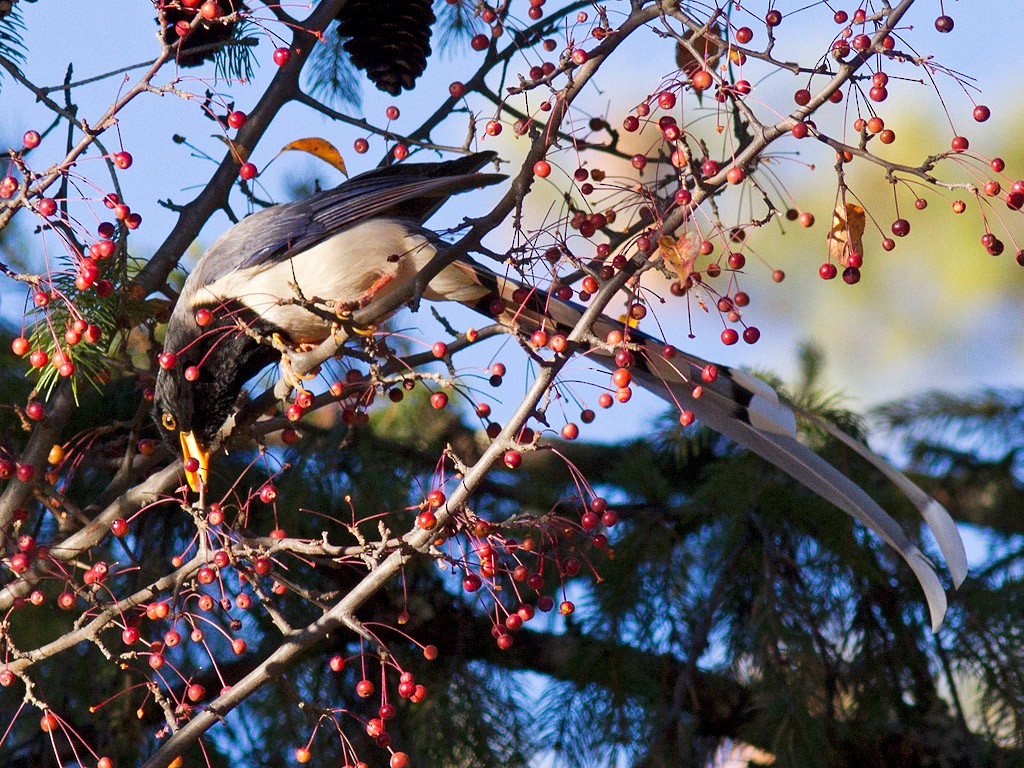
<point x="288" y="271"/>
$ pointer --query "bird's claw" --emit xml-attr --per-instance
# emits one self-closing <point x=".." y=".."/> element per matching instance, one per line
<point x="291" y="377"/>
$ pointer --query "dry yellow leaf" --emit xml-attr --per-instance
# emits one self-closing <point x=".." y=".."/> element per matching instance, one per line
<point x="679" y="255"/>
<point x="318" y="148"/>
<point x="240" y="151"/>
<point x="847" y="233"/>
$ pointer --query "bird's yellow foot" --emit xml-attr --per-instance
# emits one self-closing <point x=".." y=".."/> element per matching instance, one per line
<point x="288" y="373"/>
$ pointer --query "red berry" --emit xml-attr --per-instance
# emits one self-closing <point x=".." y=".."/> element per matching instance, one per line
<point x="982" y="113"/>
<point x="744" y="35"/>
<point x="512" y="459"/>
<point x="701" y="80"/>
<point x="361" y="146"/>
<point x="119" y="527"/>
<point x="400" y="151"/>
<point x="438" y="400"/>
<point x="48" y="723"/>
<point x="773" y="18"/>
<point x="729" y="336"/>
<point x="439" y="350"/>
<point x="31" y="139"/>
<point x="248" y="171"/>
<point x="479" y="42"/>
<point x="392" y="112"/>
<point x="901" y="227"/>
<point x="122" y="160"/>
<point x="282" y="56"/>
<point x="944" y="24"/>
<point x="47" y="206"/>
<point x="959" y="144"/>
<point x="237" y="119"/>
<point x="268" y="493"/>
<point x="542" y="168"/>
<point x="210" y="10"/>
<point x="426" y="520"/>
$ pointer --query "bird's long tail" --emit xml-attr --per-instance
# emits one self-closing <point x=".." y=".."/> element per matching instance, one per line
<point x="737" y="405"/>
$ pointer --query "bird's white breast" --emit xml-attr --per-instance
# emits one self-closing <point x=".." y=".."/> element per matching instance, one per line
<point x="341" y="269"/>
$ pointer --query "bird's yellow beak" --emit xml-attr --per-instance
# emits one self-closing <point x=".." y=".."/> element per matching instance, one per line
<point x="191" y="449"/>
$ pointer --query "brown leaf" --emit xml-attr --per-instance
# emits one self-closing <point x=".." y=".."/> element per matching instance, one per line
<point x="710" y="48"/>
<point x="319" y="148"/>
<point x="847" y="233"/>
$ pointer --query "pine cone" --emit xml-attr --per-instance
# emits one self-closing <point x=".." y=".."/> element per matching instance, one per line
<point x="388" y="39"/>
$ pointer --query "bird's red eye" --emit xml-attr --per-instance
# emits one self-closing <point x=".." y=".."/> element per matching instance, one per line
<point x="169" y="422"/>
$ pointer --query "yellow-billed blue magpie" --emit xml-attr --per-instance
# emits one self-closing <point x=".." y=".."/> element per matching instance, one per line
<point x="353" y="245"/>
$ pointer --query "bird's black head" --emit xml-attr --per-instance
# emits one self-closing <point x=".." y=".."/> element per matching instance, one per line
<point x="197" y="392"/>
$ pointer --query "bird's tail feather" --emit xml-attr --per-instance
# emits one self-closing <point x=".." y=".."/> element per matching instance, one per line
<point x="737" y="405"/>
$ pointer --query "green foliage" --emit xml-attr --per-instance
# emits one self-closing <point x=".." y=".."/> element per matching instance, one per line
<point x="332" y="74"/>
<point x="235" y="61"/>
<point x="12" y="47"/>
<point x="454" y="24"/>
<point x="736" y="605"/>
